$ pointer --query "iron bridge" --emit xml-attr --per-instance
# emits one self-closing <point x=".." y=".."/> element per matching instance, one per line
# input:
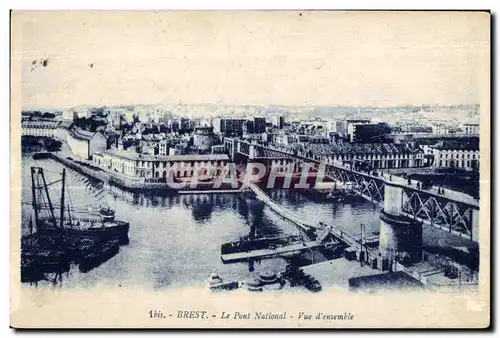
<point x="453" y="212"/>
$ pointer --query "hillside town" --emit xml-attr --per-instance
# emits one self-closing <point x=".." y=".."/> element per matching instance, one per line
<point x="142" y="142"/>
<point x="420" y="175"/>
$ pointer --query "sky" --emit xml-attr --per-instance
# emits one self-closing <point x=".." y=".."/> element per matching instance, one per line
<point x="287" y="58"/>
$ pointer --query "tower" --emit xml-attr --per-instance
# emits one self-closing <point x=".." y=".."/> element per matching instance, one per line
<point x="400" y="236"/>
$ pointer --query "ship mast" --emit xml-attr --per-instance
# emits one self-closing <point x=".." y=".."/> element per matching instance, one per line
<point x="51" y="207"/>
<point x="62" y="196"/>
<point x="31" y="225"/>
<point x="33" y="192"/>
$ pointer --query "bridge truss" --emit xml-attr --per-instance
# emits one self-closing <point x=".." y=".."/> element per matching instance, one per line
<point x="369" y="187"/>
<point x="424" y="205"/>
<point x="439" y="211"/>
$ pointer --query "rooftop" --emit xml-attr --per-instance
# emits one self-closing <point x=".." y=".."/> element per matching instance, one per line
<point x="457" y="145"/>
<point x="362" y="148"/>
<point x="81" y="134"/>
<point x="174" y="158"/>
<point x="40" y="124"/>
<point x="267" y="153"/>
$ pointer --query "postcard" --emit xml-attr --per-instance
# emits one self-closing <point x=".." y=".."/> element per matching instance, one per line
<point x="250" y="169"/>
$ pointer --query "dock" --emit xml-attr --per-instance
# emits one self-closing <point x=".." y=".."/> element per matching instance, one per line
<point x="321" y="233"/>
<point x="212" y="191"/>
<point x="267" y="253"/>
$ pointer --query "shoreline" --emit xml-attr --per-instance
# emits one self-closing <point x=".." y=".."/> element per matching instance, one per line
<point x="130" y="184"/>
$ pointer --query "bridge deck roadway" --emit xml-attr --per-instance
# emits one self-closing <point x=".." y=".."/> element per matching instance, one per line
<point x="448" y="193"/>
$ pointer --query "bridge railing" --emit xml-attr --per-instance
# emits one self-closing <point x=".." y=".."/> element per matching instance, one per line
<point x="330" y="166"/>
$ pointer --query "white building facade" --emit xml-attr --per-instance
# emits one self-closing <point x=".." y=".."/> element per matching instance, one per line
<point x="141" y="166"/>
<point x="470" y="128"/>
<point x="455" y="157"/>
<point x="84" y="144"/>
<point x="39" y="128"/>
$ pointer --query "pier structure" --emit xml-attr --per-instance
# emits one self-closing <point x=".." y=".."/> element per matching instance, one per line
<point x="268" y="253"/>
<point x="322" y="234"/>
<point x="400" y="235"/>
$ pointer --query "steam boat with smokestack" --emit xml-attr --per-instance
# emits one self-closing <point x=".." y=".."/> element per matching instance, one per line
<point x="101" y="224"/>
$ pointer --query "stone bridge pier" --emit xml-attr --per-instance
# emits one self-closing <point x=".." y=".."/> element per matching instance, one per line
<point x="400" y="236"/>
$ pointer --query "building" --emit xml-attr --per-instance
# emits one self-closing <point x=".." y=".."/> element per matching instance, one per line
<point x="219" y="149"/>
<point x="277" y="120"/>
<point x="84" y="144"/>
<point x="456" y="154"/>
<point x="285" y="139"/>
<point x="174" y="125"/>
<point x="129" y="115"/>
<point x="259" y="125"/>
<point x="427" y="149"/>
<point x="331" y="126"/>
<point x="411" y="129"/>
<point x="118" y="116"/>
<point x="204" y="138"/>
<point x="177" y="150"/>
<point x="269" y="137"/>
<point x="378" y="155"/>
<point x="367" y="132"/>
<point x="342" y="126"/>
<point x="288" y="139"/>
<point x="471" y="128"/>
<point x="228" y="126"/>
<point x="442" y="129"/>
<point x="320" y="123"/>
<point x="81" y="112"/>
<point x="139" y="166"/>
<point x="39" y="128"/>
<point x="248" y="127"/>
<point x="163" y="147"/>
<point x="316" y="139"/>
<point x="185" y="123"/>
<point x="278" y="162"/>
<point x="67" y="115"/>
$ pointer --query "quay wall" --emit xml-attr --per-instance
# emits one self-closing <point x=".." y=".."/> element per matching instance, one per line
<point x="127" y="183"/>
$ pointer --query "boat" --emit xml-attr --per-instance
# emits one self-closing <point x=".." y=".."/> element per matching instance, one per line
<point x="297" y="277"/>
<point x="35" y="263"/>
<point x="247" y="244"/>
<point x="312" y="284"/>
<point x="41" y="155"/>
<point x="216" y="283"/>
<point x="345" y="193"/>
<point x="271" y="281"/>
<point x="30" y="270"/>
<point x="266" y="281"/>
<point x="335" y="195"/>
<point x="254" y="285"/>
<point x="268" y="277"/>
<point x="102" y="225"/>
<point x="104" y="228"/>
<point x="100" y="254"/>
